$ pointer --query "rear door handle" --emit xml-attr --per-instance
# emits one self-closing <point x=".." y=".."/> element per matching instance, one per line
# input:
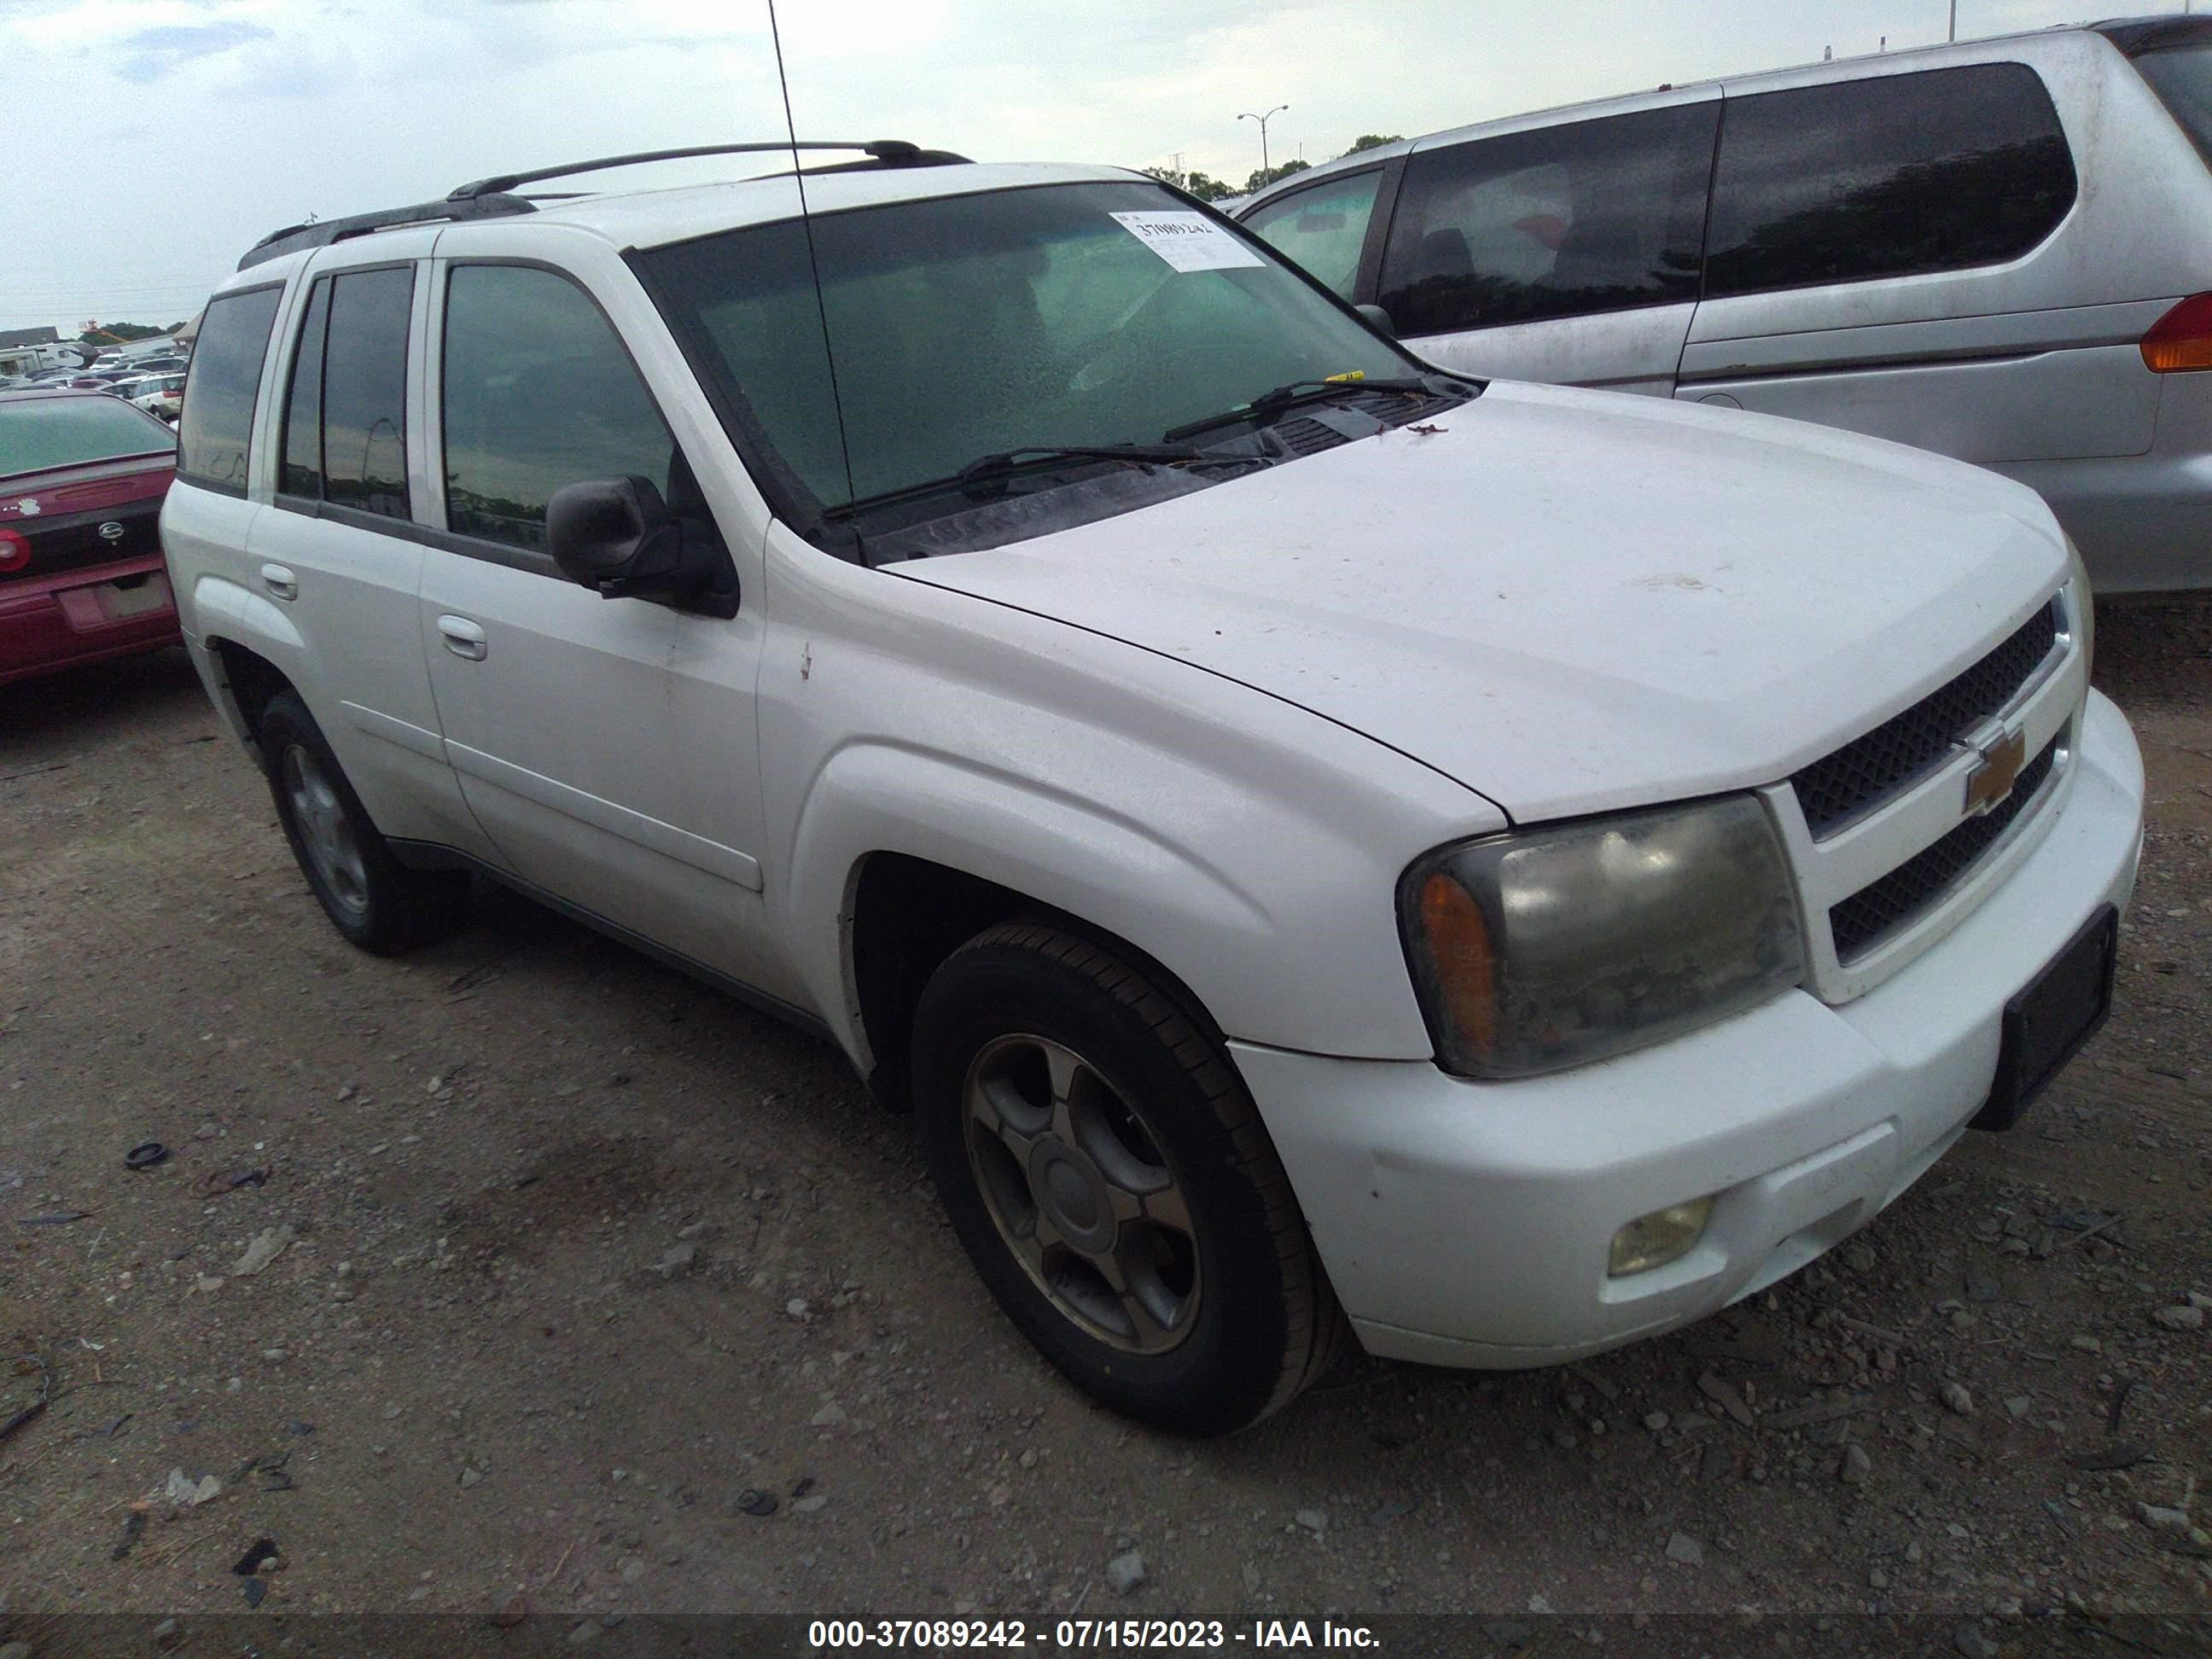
<point x="280" y="581"/>
<point x="463" y="637"/>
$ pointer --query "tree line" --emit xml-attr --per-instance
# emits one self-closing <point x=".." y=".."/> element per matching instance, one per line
<point x="1209" y="189"/>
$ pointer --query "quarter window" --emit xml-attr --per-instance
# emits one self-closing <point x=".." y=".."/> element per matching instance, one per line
<point x="1322" y="228"/>
<point x="539" y="393"/>
<point x="1554" y="222"/>
<point x="216" y="432"/>
<point x="1885" y="177"/>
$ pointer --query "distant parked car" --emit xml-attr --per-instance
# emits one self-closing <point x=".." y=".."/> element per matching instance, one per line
<point x="1999" y="251"/>
<point x="81" y="480"/>
<point x="158" y="394"/>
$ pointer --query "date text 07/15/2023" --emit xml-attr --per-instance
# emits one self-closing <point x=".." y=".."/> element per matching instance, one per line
<point x="1120" y="1634"/>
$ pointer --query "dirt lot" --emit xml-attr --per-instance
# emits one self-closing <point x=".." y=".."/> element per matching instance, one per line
<point x="475" y="1370"/>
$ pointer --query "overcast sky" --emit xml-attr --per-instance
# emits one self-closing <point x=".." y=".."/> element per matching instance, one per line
<point x="150" y="141"/>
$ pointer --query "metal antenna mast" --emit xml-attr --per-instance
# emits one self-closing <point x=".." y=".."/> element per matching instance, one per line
<point x="813" y="259"/>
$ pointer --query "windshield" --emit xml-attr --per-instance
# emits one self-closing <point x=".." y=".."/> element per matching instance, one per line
<point x="2182" y="77"/>
<point x="39" y="433"/>
<point x="1059" y="315"/>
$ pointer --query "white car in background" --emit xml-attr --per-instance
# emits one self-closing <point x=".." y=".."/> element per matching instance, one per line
<point x="1309" y="837"/>
<point x="158" y="394"/>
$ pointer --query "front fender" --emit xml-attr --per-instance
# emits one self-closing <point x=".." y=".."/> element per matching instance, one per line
<point x="1073" y="855"/>
<point x="1251" y="848"/>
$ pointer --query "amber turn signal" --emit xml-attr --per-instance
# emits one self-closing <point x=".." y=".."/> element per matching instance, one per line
<point x="2182" y="339"/>
<point x="1466" y="967"/>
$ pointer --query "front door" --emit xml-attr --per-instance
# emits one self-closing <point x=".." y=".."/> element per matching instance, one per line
<point x="608" y="746"/>
<point x="1566" y="252"/>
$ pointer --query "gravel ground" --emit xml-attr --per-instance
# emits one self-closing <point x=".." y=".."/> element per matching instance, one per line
<point x="524" y="1274"/>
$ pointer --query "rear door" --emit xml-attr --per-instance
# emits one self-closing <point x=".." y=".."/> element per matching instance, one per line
<point x="1565" y="252"/>
<point x="338" y="550"/>
<point x="1890" y="253"/>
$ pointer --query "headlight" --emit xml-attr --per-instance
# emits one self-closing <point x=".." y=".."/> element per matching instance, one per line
<point x="1535" y="952"/>
<point x="2083" y="604"/>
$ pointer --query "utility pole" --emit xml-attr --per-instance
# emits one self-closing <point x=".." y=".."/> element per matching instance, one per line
<point x="1954" y="34"/>
<point x="1263" y="120"/>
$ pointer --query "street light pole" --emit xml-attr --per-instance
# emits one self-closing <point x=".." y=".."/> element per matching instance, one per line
<point x="1954" y="21"/>
<point x="1263" y="120"/>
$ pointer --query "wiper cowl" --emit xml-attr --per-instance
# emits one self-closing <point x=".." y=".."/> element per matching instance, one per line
<point x="1268" y="404"/>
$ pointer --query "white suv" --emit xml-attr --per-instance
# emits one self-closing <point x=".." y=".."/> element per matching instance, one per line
<point x="1314" y="841"/>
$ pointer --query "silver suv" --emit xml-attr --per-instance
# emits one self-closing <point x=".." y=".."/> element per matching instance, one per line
<point x="1996" y="250"/>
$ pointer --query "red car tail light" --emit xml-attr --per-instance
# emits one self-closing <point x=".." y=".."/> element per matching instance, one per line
<point x="15" y="550"/>
<point x="2182" y="339"/>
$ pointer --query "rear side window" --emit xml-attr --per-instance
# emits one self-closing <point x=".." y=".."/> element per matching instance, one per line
<point x="1555" y="221"/>
<point x="1889" y="176"/>
<point x="345" y="420"/>
<point x="539" y="393"/>
<point x="217" y="426"/>
<point x="1322" y="228"/>
<point x="301" y="469"/>
<point x="2182" y="77"/>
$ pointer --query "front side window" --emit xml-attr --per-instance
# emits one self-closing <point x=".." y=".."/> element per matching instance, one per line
<point x="1890" y="176"/>
<point x="1322" y="228"/>
<point x="217" y="429"/>
<point x="969" y="326"/>
<point x="1555" y="221"/>
<point x="539" y="393"/>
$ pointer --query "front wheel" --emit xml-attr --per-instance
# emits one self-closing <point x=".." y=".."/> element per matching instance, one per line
<point x="1110" y="1179"/>
<point x="371" y="897"/>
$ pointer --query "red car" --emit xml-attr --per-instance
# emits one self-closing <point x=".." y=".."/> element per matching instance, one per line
<point x="82" y="479"/>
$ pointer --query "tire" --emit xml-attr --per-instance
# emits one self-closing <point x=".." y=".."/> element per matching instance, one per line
<point x="372" y="898"/>
<point x="1110" y="1178"/>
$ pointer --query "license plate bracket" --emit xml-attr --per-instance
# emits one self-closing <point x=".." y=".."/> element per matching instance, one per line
<point x="2047" y="1023"/>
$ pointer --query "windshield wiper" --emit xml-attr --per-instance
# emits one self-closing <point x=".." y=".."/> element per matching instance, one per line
<point x="986" y="469"/>
<point x="1268" y="404"/>
<point x="987" y="475"/>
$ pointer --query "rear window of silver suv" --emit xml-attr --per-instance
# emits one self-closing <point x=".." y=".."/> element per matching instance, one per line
<point x="2182" y="77"/>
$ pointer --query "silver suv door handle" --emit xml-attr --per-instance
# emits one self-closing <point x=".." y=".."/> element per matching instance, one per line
<point x="463" y="637"/>
<point x="280" y="581"/>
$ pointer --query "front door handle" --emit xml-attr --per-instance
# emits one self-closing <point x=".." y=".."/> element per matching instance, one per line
<point x="463" y="637"/>
<point x="280" y="581"/>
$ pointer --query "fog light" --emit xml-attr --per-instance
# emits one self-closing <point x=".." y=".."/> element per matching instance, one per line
<point x="1653" y="1240"/>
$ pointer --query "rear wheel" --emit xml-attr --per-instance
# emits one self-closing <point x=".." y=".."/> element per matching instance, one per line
<point x="371" y="897"/>
<point x="1110" y="1179"/>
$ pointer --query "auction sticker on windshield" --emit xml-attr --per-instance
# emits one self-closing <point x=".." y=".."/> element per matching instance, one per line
<point x="1188" y="241"/>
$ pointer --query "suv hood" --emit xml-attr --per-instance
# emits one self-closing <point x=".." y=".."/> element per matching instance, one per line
<point x="1568" y="601"/>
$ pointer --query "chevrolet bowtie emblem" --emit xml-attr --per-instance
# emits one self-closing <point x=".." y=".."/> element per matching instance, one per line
<point x="1992" y="780"/>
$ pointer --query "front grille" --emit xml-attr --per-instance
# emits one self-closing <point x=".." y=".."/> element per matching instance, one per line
<point x="1889" y="760"/>
<point x="1861" y="921"/>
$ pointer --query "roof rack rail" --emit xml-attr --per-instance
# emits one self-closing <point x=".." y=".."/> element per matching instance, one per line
<point x="493" y="198"/>
<point x="881" y="152"/>
<point x="321" y="232"/>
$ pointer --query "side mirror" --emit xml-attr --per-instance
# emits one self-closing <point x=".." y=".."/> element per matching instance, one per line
<point x="1378" y="319"/>
<point x="618" y="536"/>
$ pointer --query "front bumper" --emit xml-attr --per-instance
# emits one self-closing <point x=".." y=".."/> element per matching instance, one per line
<point x="1468" y="1224"/>
<point x="51" y="623"/>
